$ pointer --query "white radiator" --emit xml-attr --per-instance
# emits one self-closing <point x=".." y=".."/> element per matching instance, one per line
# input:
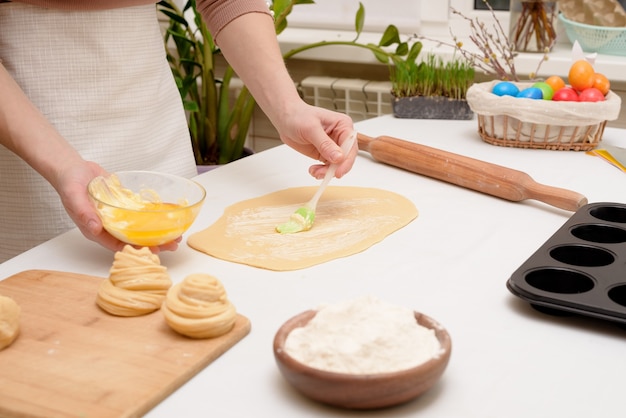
<point x="359" y="99"/>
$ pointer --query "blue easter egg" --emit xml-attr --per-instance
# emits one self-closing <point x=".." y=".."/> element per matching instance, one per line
<point x="531" y="93"/>
<point x="505" y="88"/>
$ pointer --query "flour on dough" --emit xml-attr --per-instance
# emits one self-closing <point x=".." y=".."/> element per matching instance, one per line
<point x="348" y="220"/>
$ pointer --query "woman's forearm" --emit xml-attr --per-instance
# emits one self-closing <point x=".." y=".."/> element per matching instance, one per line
<point x="249" y="45"/>
<point x="27" y="133"/>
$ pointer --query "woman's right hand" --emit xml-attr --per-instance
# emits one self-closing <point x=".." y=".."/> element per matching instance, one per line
<point x="72" y="188"/>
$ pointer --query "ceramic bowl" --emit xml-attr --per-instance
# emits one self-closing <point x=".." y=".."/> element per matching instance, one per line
<point x="146" y="208"/>
<point x="352" y="391"/>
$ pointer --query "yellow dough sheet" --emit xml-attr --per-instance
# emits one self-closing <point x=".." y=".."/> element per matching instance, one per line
<point x="348" y="220"/>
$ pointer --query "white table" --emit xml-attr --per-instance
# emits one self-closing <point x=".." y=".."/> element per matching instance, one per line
<point x="451" y="263"/>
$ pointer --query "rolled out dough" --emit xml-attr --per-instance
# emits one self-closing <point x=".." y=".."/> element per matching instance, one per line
<point x="348" y="220"/>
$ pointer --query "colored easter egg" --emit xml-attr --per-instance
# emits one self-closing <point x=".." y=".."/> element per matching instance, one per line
<point x="591" y="94"/>
<point x="505" y="88"/>
<point x="545" y="88"/>
<point x="555" y="82"/>
<point x="531" y="93"/>
<point x="566" y="94"/>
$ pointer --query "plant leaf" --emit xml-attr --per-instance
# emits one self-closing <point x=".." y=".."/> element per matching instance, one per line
<point x="279" y="6"/>
<point x="359" y="20"/>
<point x="390" y="36"/>
<point x="281" y="26"/>
<point x="190" y="106"/>
<point x="166" y="5"/>
<point x="180" y="37"/>
<point x="379" y="54"/>
<point x="402" y="49"/>
<point x="175" y="17"/>
<point x="416" y="48"/>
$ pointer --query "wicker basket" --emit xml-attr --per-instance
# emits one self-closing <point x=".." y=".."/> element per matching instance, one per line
<point x="511" y="132"/>
<point x="540" y="124"/>
<point x="602" y="39"/>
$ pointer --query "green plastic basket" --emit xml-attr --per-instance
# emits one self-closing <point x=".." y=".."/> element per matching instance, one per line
<point x="604" y="40"/>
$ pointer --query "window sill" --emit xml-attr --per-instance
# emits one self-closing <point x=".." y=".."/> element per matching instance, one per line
<point x="614" y="67"/>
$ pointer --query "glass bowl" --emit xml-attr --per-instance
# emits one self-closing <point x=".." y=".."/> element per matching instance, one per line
<point x="146" y="208"/>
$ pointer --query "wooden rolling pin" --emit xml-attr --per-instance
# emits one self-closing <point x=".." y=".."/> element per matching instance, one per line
<point x="470" y="173"/>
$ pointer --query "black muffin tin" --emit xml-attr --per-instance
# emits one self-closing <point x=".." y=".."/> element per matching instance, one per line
<point x="581" y="269"/>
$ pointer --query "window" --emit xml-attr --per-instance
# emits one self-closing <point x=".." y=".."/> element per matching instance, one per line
<point x="475" y="9"/>
<point x="495" y="5"/>
<point x="427" y="17"/>
<point x="340" y="14"/>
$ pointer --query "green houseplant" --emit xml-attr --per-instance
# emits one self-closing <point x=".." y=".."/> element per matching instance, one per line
<point x="218" y="124"/>
<point x="431" y="89"/>
<point x="217" y="127"/>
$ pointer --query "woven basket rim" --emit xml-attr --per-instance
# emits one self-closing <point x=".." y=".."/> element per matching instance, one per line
<point x="563" y="143"/>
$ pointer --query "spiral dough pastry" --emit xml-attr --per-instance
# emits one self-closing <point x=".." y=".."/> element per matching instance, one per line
<point x="198" y="307"/>
<point x="9" y="321"/>
<point x="137" y="283"/>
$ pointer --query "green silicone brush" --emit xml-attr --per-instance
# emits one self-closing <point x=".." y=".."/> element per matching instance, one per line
<point x="302" y="219"/>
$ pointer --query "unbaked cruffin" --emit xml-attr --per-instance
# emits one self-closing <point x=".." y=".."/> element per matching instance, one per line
<point x="9" y="321"/>
<point x="198" y="307"/>
<point x="137" y="283"/>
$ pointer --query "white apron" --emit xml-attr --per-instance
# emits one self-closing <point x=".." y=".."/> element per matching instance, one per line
<point x="102" y="79"/>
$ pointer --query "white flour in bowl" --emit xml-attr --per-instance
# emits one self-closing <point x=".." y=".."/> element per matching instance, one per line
<point x="363" y="336"/>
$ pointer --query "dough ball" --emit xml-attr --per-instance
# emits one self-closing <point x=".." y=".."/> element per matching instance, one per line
<point x="137" y="283"/>
<point x="9" y="321"/>
<point x="199" y="308"/>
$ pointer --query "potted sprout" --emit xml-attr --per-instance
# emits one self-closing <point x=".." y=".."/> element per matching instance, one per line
<point x="431" y="89"/>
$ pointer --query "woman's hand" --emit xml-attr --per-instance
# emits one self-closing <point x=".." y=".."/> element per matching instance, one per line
<point x="72" y="188"/>
<point x="318" y="133"/>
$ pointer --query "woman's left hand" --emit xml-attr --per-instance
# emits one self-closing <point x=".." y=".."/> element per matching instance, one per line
<point x="318" y="133"/>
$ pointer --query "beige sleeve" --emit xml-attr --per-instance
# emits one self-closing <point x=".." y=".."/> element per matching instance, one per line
<point x="219" y="13"/>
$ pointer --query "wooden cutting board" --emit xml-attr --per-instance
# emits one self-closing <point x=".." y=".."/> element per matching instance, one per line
<point x="72" y="359"/>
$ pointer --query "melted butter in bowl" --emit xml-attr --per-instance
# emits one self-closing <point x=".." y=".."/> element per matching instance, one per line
<point x="146" y="208"/>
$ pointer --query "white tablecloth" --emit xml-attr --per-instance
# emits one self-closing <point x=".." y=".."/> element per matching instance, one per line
<point x="451" y="263"/>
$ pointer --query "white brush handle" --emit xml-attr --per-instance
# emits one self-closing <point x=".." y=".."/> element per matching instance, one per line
<point x="330" y="173"/>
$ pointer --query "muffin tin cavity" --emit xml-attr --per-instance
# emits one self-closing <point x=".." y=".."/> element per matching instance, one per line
<point x="559" y="281"/>
<point x="618" y="294"/>
<point x="581" y="269"/>
<point x="582" y="255"/>
<point x="599" y="233"/>
<point x="609" y="213"/>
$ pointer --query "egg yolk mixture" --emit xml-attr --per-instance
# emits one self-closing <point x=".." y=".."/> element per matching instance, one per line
<point x="139" y="218"/>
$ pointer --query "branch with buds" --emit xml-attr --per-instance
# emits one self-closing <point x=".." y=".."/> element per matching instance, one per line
<point x="496" y="53"/>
